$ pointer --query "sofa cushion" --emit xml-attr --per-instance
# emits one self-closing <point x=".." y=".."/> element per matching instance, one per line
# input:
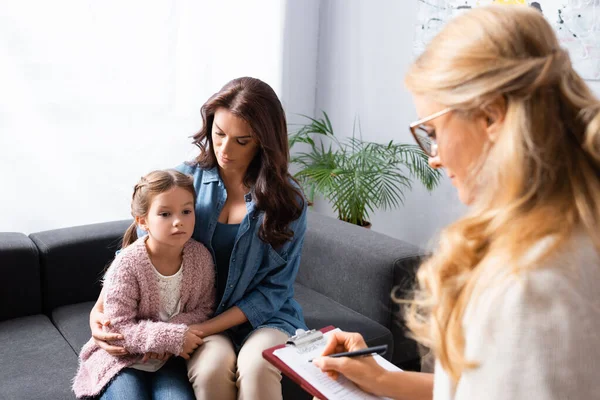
<point x="320" y="311"/>
<point x="352" y="265"/>
<point x="72" y="261"/>
<point x="20" y="293"/>
<point x="73" y="323"/>
<point x="37" y="363"/>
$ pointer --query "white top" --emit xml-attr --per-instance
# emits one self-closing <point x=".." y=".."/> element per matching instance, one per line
<point x="170" y="303"/>
<point x="535" y="336"/>
<point x="170" y="294"/>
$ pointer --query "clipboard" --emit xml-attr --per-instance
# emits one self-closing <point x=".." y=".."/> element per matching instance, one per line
<point x="299" y="340"/>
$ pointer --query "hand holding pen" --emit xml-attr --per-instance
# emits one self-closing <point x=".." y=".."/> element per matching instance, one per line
<point x="361" y="369"/>
<point x="369" y="351"/>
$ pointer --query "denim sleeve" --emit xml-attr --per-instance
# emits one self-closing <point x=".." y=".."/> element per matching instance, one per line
<point x="140" y="232"/>
<point x="268" y="297"/>
<point x="185" y="168"/>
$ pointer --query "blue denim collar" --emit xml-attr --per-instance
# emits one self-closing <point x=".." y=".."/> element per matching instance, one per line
<point x="211" y="175"/>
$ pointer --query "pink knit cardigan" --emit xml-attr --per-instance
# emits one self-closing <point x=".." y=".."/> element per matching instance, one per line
<point x="131" y="302"/>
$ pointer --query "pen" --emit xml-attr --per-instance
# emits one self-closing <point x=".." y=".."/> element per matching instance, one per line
<point x="363" y="352"/>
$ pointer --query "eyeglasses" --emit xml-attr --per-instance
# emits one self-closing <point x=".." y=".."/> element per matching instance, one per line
<point x="425" y="135"/>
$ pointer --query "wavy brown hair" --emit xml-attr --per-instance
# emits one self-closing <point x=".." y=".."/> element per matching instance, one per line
<point x="276" y="193"/>
<point x="154" y="183"/>
<point x="539" y="179"/>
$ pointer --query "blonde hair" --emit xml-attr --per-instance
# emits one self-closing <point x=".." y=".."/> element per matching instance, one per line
<point x="154" y="183"/>
<point x="539" y="178"/>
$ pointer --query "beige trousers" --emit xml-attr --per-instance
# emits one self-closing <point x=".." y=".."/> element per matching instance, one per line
<point x="216" y="372"/>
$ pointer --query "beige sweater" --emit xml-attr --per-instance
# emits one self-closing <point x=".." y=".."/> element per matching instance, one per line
<point x="535" y="336"/>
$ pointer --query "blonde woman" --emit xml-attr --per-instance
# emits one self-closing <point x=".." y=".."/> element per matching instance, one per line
<point x="510" y="301"/>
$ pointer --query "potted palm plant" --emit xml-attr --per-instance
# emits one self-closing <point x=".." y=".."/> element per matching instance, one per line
<point x="356" y="176"/>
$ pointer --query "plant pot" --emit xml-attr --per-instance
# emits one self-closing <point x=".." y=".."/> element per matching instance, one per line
<point x="367" y="224"/>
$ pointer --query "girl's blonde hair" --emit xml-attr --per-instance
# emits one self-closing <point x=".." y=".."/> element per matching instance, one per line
<point x="539" y="178"/>
<point x="154" y="183"/>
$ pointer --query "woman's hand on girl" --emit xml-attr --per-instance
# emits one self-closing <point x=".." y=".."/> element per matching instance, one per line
<point x="363" y="371"/>
<point x="200" y="328"/>
<point x="102" y="338"/>
<point x="193" y="339"/>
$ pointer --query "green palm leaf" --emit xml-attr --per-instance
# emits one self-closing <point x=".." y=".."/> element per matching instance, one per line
<point x="358" y="177"/>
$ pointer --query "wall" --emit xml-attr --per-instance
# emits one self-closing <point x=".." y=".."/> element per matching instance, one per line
<point x="95" y="97"/>
<point x="96" y="94"/>
<point x="300" y="51"/>
<point x="365" y="48"/>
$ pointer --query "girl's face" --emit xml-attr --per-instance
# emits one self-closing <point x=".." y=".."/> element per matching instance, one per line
<point x="233" y="141"/>
<point x="170" y="220"/>
<point x="460" y="141"/>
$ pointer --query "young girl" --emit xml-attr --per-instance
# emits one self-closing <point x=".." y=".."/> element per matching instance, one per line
<point x="155" y="288"/>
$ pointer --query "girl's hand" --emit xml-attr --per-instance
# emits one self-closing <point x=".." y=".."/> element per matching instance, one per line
<point x="156" y="356"/>
<point x="363" y="371"/>
<point x="193" y="339"/>
<point x="97" y="323"/>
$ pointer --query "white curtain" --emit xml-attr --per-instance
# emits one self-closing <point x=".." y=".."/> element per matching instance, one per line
<point x="94" y="94"/>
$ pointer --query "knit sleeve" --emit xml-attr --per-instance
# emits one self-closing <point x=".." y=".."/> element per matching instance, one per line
<point x="122" y="296"/>
<point x="201" y="303"/>
<point x="535" y="336"/>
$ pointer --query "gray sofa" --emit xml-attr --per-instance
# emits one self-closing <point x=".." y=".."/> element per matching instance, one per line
<point x="50" y="280"/>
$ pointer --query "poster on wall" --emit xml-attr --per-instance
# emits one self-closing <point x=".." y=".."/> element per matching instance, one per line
<point x="576" y="22"/>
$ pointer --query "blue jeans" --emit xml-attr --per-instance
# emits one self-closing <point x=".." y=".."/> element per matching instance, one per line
<point x="168" y="383"/>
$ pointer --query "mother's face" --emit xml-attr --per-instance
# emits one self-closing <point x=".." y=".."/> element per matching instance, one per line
<point x="233" y="141"/>
<point x="461" y="142"/>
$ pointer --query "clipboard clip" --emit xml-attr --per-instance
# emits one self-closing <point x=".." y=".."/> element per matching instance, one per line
<point x="304" y="338"/>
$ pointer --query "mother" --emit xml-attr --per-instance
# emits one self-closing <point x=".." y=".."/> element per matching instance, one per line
<point x="251" y="215"/>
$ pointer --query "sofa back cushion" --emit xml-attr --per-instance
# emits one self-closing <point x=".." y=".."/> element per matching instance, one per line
<point x="73" y="259"/>
<point x="353" y="266"/>
<point x="20" y="270"/>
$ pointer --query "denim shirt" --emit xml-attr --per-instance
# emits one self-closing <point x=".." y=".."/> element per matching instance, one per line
<point x="261" y="279"/>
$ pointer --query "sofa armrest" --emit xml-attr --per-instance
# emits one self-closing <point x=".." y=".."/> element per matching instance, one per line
<point x="405" y="278"/>
<point x="20" y="270"/>
<point x="72" y="261"/>
<point x="355" y="266"/>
